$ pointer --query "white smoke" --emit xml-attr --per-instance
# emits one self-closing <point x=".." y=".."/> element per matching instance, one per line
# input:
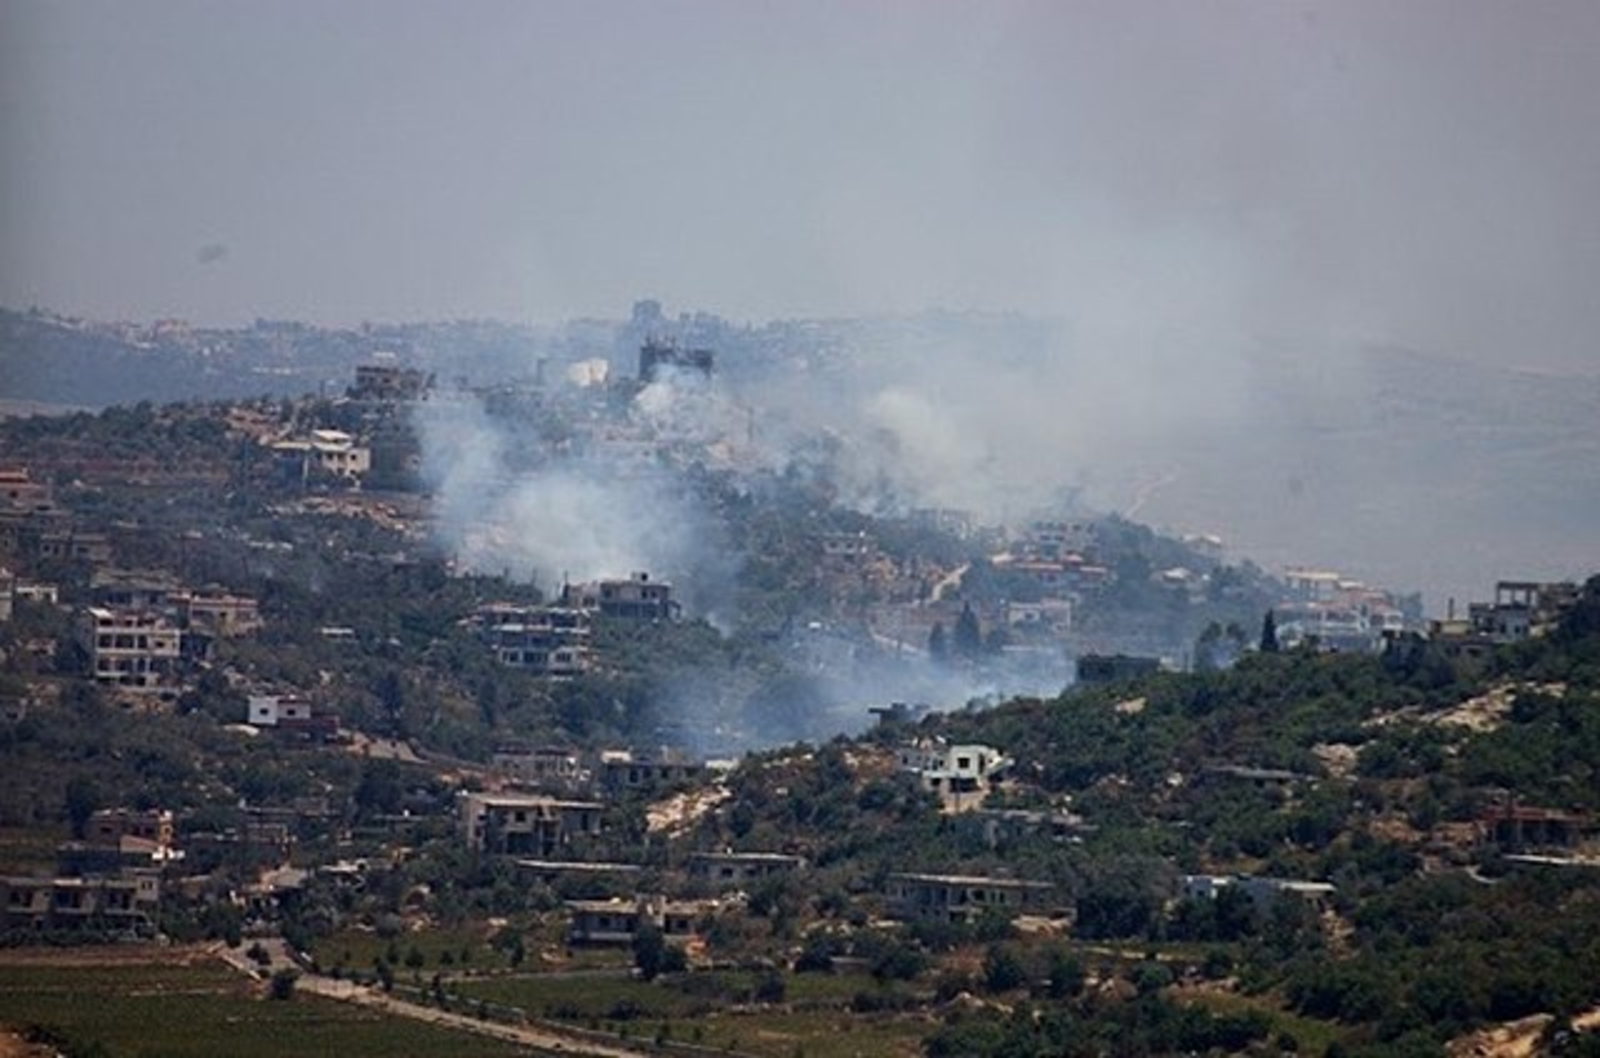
<point x="552" y="517"/>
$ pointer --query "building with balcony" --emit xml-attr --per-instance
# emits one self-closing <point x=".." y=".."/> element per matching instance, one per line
<point x="133" y="649"/>
<point x="742" y="868"/>
<point x="525" y="824"/>
<point x="963" y="898"/>
<point x="545" y="640"/>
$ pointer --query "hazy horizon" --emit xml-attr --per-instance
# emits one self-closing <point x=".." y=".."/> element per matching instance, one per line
<point x="1414" y="174"/>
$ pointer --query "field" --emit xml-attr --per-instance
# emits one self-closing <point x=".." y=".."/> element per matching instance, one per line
<point x="711" y="1009"/>
<point x="198" y="1008"/>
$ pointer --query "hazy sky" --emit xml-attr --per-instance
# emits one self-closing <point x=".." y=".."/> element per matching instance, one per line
<point x="1422" y="173"/>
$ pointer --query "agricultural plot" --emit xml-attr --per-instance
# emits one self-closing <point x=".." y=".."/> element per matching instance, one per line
<point x="203" y="1010"/>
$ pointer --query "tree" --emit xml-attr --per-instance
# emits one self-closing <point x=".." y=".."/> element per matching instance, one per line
<point x="282" y="984"/>
<point x="1205" y="648"/>
<point x="82" y="799"/>
<point x="381" y="789"/>
<point x="938" y="643"/>
<point x="1269" y="633"/>
<point x="968" y="639"/>
<point x="1066" y="974"/>
<point x="652" y="955"/>
<point x="1002" y="970"/>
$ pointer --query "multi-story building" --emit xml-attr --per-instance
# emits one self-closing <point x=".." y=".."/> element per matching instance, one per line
<point x="19" y="492"/>
<point x="546" y="640"/>
<point x="108" y="826"/>
<point x="637" y="598"/>
<point x="541" y="767"/>
<point x="126" y="902"/>
<point x="135" y="589"/>
<point x="75" y="545"/>
<point x="133" y="649"/>
<point x="620" y="770"/>
<point x="326" y="453"/>
<point x="942" y="768"/>
<point x="389" y="382"/>
<point x="525" y="824"/>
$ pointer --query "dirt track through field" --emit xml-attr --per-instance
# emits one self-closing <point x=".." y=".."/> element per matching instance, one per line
<point x="541" y="1039"/>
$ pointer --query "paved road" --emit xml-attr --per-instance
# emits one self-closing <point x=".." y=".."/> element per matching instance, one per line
<point x="538" y="1038"/>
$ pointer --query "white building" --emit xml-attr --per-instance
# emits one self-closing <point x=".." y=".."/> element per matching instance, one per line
<point x="942" y="768"/>
<point x="272" y="710"/>
<point x="138" y="650"/>
<point x="327" y="452"/>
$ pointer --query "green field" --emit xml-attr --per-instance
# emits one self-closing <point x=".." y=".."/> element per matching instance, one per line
<point x="146" y="1011"/>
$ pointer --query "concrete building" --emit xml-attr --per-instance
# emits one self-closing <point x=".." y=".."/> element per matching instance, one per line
<point x="621" y="771"/>
<point x="219" y="613"/>
<point x="542" y="767"/>
<point x="1044" y="618"/>
<point x="134" y="589"/>
<point x="109" y="825"/>
<point x="34" y="591"/>
<point x="742" y="868"/>
<point x="1330" y="626"/>
<point x="942" y="768"/>
<point x="327" y="454"/>
<point x="117" y="840"/>
<point x="963" y="898"/>
<point x="525" y="824"/>
<point x="545" y="640"/>
<point x="1518" y="828"/>
<point x="132" y="649"/>
<point x="75" y="545"/>
<point x="618" y="921"/>
<point x="389" y="382"/>
<point x="1521" y="609"/>
<point x="658" y="360"/>
<point x="554" y="870"/>
<point x="124" y="903"/>
<point x="1054" y="541"/>
<point x="1262" y="892"/>
<point x="637" y="598"/>
<point x="1011" y="824"/>
<point x="1312" y="585"/>
<point x="848" y="549"/>
<point x="274" y="710"/>
<point x="20" y="492"/>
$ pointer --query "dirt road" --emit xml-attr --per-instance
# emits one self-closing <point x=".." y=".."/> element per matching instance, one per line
<point x="539" y="1038"/>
